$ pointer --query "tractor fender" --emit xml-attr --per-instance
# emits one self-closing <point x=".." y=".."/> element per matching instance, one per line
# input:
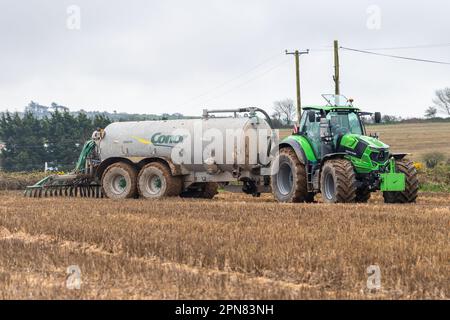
<point x="398" y="156"/>
<point x="336" y="155"/>
<point x="296" y="147"/>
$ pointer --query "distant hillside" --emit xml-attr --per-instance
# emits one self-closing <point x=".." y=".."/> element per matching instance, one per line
<point x="41" y="111"/>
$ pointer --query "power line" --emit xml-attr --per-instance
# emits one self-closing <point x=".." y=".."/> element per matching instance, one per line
<point x="424" y="46"/>
<point x="395" y="56"/>
<point x="248" y="81"/>
<point x="255" y="67"/>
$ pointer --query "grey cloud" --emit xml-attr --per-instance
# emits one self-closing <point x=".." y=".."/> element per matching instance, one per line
<point x="154" y="56"/>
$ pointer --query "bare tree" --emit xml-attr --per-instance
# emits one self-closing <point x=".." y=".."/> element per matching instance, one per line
<point x="276" y="115"/>
<point x="431" y="112"/>
<point x="286" y="110"/>
<point x="442" y="100"/>
<point x="276" y="120"/>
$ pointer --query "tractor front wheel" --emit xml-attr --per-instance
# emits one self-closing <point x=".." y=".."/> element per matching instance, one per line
<point x="411" y="184"/>
<point x="289" y="184"/>
<point x="338" y="182"/>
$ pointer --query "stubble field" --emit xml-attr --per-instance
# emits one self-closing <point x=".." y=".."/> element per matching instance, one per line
<point x="232" y="247"/>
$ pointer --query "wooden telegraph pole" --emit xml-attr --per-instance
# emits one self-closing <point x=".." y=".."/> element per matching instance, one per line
<point x="337" y="89"/>
<point x="297" y="54"/>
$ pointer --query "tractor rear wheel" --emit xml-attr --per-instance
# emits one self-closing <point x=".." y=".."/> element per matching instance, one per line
<point x="411" y="184"/>
<point x="289" y="184"/>
<point x="119" y="181"/>
<point x="338" y="182"/>
<point x="156" y="181"/>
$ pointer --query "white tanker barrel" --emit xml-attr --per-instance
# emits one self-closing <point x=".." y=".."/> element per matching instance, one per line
<point x="191" y="142"/>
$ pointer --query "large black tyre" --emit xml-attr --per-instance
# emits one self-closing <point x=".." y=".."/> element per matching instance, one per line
<point x="411" y="184"/>
<point x="338" y="182"/>
<point x="205" y="190"/>
<point x="119" y="181"/>
<point x="289" y="184"/>
<point x="156" y="181"/>
<point x="362" y="195"/>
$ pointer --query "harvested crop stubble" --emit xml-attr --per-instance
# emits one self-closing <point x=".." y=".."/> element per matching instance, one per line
<point x="234" y="246"/>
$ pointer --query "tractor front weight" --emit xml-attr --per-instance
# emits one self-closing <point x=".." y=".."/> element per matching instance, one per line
<point x="392" y="181"/>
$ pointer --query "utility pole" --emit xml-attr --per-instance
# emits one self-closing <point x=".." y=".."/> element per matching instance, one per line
<point x="297" y="54"/>
<point x="336" y="68"/>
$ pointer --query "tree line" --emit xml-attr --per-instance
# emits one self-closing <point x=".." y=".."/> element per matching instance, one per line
<point x="32" y="138"/>
<point x="57" y="139"/>
<point x="441" y="104"/>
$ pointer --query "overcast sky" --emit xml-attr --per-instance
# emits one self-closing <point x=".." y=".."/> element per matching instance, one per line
<point x="147" y="56"/>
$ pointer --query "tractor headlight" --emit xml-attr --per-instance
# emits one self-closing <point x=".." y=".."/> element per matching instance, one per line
<point x="379" y="155"/>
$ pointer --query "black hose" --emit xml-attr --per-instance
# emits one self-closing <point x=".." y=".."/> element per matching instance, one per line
<point x="268" y="119"/>
<point x="251" y="109"/>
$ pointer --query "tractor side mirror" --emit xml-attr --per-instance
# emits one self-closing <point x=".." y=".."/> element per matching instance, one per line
<point x="311" y="116"/>
<point x="377" y="117"/>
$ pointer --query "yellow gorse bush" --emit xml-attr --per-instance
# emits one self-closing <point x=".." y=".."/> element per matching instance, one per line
<point x="419" y="166"/>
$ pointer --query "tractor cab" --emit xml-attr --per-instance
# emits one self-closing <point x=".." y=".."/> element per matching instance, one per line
<point x="325" y="126"/>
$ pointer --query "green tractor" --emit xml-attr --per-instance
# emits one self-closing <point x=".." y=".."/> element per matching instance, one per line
<point x="330" y="153"/>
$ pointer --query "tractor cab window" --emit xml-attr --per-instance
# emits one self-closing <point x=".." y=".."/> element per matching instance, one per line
<point x="342" y="123"/>
<point x="311" y="129"/>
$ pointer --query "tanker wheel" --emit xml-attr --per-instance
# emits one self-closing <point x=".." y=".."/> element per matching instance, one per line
<point x="362" y="195"/>
<point x="119" y="181"/>
<point x="206" y="190"/>
<point x="156" y="181"/>
<point x="289" y="184"/>
<point x="411" y="184"/>
<point x="338" y="182"/>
